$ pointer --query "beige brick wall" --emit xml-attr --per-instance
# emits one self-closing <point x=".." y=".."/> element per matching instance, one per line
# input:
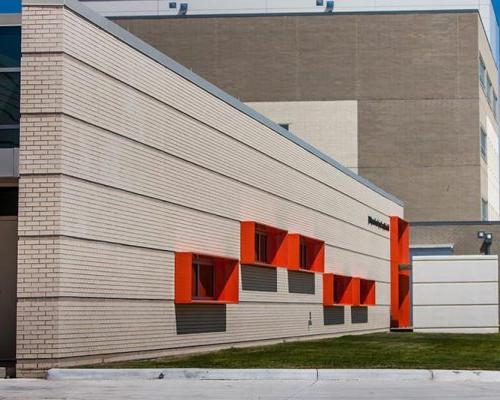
<point x="124" y="162"/>
<point x="331" y="126"/>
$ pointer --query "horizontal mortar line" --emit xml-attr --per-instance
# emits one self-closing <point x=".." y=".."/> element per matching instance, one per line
<point x="206" y="169"/>
<point x="332" y="334"/>
<point x="176" y="204"/>
<point x="217" y="130"/>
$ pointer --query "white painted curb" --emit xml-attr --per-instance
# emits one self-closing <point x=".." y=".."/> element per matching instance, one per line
<point x="274" y="374"/>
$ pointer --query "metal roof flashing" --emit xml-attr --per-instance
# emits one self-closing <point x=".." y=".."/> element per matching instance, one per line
<point x="149" y="51"/>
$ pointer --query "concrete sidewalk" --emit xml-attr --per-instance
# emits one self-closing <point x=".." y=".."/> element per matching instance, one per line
<point x="22" y="389"/>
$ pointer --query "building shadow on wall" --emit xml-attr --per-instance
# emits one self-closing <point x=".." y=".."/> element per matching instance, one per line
<point x="334" y="315"/>
<point x="301" y="282"/>
<point x="259" y="279"/>
<point x="200" y="318"/>
<point x="359" y="315"/>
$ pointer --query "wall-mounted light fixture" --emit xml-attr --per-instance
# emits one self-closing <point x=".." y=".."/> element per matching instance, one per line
<point x="183" y="9"/>
<point x="487" y="238"/>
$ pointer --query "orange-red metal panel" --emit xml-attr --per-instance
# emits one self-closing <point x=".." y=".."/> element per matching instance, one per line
<point x="227" y="283"/>
<point x="183" y="277"/>
<point x="328" y="289"/>
<point x="247" y="242"/>
<point x="355" y="284"/>
<point x="342" y="290"/>
<point x="367" y="292"/>
<point x="400" y="287"/>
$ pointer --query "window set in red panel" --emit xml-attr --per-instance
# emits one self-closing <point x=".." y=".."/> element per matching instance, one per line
<point x="263" y="245"/>
<point x="305" y="254"/>
<point x="201" y="278"/>
<point x="272" y="247"/>
<point x="347" y="290"/>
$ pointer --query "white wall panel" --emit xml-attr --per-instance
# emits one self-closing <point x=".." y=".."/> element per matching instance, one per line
<point x="432" y="269"/>
<point x="455" y="293"/>
<point x="472" y="316"/>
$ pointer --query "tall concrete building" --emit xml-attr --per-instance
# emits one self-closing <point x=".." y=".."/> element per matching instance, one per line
<point x="404" y="95"/>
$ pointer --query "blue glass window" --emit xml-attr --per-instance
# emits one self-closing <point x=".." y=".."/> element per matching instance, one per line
<point x="10" y="46"/>
<point x="10" y="6"/>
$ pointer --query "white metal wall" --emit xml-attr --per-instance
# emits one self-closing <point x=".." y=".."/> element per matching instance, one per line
<point x="455" y="294"/>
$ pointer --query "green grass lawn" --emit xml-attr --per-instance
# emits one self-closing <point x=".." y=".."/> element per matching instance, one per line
<point x="384" y="350"/>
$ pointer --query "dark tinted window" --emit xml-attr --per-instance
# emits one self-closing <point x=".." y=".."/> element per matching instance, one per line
<point x="9" y="98"/>
<point x="203" y="286"/>
<point x="303" y="255"/>
<point x="261" y="247"/>
<point x="10" y="46"/>
<point x="8" y="201"/>
<point x="9" y="138"/>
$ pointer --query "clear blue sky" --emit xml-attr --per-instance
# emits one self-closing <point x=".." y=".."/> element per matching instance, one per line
<point x="496" y="4"/>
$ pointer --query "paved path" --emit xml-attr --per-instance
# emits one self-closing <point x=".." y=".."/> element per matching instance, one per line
<point x="32" y="389"/>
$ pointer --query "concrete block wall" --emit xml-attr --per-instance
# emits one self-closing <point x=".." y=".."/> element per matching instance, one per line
<point x="125" y="161"/>
<point x="456" y="294"/>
